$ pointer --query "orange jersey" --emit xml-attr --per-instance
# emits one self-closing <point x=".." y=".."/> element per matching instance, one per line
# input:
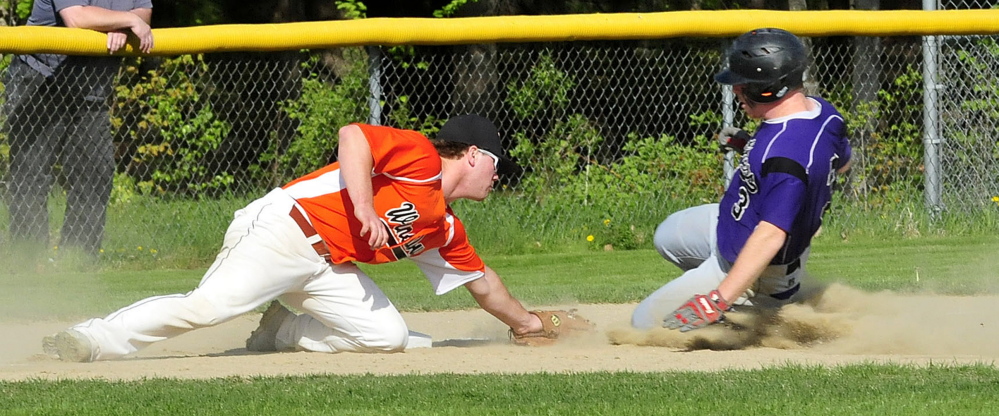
<point x="406" y="180"/>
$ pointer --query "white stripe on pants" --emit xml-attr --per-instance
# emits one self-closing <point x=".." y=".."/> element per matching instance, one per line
<point x="264" y="255"/>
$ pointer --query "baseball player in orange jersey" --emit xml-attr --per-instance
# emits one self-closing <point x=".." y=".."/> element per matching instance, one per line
<point x="386" y="199"/>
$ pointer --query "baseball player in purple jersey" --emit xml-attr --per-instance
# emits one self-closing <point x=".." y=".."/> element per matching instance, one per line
<point x="751" y="248"/>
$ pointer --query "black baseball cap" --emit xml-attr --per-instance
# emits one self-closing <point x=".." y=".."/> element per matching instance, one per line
<point x="479" y="131"/>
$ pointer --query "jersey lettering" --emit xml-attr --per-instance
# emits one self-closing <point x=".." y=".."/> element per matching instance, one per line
<point x="748" y="186"/>
<point x="409" y="248"/>
<point x="401" y="220"/>
<point x="832" y="170"/>
<point x="404" y="231"/>
<point x="405" y="214"/>
<point x="413" y="247"/>
<point x="745" y="172"/>
<point x="739" y="207"/>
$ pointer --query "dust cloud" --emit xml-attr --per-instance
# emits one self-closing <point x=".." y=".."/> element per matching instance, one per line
<point x="848" y="321"/>
<point x="34" y="288"/>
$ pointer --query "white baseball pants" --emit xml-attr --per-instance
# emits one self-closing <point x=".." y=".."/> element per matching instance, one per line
<point x="264" y="256"/>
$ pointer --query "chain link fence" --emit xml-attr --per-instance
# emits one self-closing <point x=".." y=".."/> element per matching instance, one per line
<point x="613" y="136"/>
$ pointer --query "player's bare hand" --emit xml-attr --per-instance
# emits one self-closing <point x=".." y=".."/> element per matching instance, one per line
<point x="372" y="227"/>
<point x="145" y="34"/>
<point x="116" y="41"/>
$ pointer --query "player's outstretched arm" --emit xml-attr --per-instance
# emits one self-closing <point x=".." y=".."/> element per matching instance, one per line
<point x="705" y="309"/>
<point x="492" y="295"/>
<point x="534" y="328"/>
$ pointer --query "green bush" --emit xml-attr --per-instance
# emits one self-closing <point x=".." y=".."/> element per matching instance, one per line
<point x="888" y="163"/>
<point x="970" y="131"/>
<point x="171" y="133"/>
<point x="560" y="160"/>
<point x="402" y="117"/>
<point x="547" y="88"/>
<point x="328" y="102"/>
<point x="566" y="175"/>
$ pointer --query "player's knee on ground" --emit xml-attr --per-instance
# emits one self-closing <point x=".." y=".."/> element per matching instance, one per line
<point x="372" y="337"/>
<point x="392" y="338"/>
<point x="651" y="312"/>
<point x="644" y="321"/>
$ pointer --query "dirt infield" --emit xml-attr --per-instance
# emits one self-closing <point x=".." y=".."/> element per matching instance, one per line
<point x="844" y="326"/>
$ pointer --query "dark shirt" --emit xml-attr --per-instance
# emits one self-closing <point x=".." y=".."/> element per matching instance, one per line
<point x="46" y="13"/>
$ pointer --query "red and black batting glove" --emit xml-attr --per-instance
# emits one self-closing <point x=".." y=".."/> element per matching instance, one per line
<point x="698" y="312"/>
<point x="732" y="138"/>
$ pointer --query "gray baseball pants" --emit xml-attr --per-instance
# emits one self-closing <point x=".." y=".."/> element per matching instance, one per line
<point x="688" y="239"/>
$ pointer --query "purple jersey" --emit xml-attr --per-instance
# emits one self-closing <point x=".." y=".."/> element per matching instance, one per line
<point x="785" y="178"/>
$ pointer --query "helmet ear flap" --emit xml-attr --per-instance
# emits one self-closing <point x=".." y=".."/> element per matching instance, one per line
<point x="760" y="93"/>
<point x="768" y="93"/>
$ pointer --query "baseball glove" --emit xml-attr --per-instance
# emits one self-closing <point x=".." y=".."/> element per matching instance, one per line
<point x="554" y="326"/>
<point x="732" y="138"/>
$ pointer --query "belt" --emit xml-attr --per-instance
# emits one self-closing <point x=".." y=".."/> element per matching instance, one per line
<point x="791" y="268"/>
<point x="785" y="295"/>
<point x="311" y="235"/>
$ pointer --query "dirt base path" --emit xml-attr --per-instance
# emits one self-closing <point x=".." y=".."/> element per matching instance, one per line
<point x="845" y="326"/>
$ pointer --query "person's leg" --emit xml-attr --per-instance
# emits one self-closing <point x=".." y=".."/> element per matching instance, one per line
<point x="686" y="238"/>
<point x="88" y="165"/>
<point x="344" y="311"/>
<point x="651" y="311"/>
<point x="264" y="254"/>
<point x="30" y="123"/>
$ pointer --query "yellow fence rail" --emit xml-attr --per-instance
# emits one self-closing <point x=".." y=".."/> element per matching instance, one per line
<point x="425" y="31"/>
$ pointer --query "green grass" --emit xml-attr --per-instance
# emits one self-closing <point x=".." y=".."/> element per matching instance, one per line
<point x="947" y="265"/>
<point x="146" y="233"/>
<point x="69" y="288"/>
<point x="786" y="390"/>
<point x="588" y="277"/>
<point x="958" y="265"/>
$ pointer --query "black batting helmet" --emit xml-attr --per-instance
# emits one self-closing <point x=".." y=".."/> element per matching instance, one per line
<point x="769" y="62"/>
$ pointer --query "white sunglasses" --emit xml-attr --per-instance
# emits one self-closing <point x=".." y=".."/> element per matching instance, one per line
<point x="495" y="159"/>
